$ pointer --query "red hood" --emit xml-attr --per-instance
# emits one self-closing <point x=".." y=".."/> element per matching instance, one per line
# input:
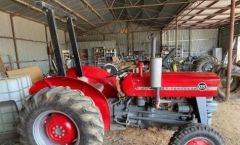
<point x="174" y="84"/>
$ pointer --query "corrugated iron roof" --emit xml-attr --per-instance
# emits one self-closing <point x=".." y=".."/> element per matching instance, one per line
<point x="206" y="14"/>
<point x="157" y="14"/>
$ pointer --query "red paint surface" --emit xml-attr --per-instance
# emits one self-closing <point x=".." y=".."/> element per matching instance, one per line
<point x="140" y="66"/>
<point x="129" y="85"/>
<point x="99" y="75"/>
<point x="171" y="79"/>
<point x="65" y="125"/>
<point x="88" y="90"/>
<point x="198" y="141"/>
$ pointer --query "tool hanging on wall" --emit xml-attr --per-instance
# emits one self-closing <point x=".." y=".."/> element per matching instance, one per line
<point x="2" y="68"/>
<point x="52" y="64"/>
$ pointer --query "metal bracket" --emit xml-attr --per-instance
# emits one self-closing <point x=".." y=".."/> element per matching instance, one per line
<point x="202" y="109"/>
<point x="43" y="5"/>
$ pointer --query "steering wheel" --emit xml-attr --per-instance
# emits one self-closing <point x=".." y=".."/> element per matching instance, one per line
<point x="119" y="72"/>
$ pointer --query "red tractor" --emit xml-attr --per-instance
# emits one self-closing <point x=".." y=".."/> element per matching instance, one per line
<point x="78" y="105"/>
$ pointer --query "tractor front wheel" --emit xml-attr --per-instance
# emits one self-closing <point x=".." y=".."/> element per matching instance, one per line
<point x="60" y="116"/>
<point x="196" y="134"/>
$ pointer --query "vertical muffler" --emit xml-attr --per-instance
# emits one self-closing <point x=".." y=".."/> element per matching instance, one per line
<point x="155" y="72"/>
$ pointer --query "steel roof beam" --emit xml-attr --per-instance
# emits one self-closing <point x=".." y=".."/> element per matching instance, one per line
<point x="199" y="13"/>
<point x="208" y="25"/>
<point x="217" y="13"/>
<point x="157" y="4"/>
<point x="211" y="8"/>
<point x="112" y="12"/>
<point x="222" y="22"/>
<point x="211" y="26"/>
<point x="92" y="9"/>
<point x="180" y="14"/>
<point x="73" y="12"/>
<point x="162" y="18"/>
<point x="40" y="11"/>
<point x="110" y="6"/>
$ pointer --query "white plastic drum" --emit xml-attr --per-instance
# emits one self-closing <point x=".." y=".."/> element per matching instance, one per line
<point x="15" y="89"/>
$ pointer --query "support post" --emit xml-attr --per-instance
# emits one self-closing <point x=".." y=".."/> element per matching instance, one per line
<point x="128" y="44"/>
<point x="65" y="37"/>
<point x="104" y="37"/>
<point x="230" y="49"/>
<point x="14" y="41"/>
<point x="176" y="36"/>
<point x="160" y="42"/>
<point x="190" y="42"/>
<point x="133" y="42"/>
<point x="219" y="37"/>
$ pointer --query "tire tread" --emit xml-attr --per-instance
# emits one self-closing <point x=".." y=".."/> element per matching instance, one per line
<point x="87" y="112"/>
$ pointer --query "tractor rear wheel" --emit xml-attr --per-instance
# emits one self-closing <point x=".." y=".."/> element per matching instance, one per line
<point x="206" y="64"/>
<point x="60" y="116"/>
<point x="196" y="134"/>
<point x="234" y="84"/>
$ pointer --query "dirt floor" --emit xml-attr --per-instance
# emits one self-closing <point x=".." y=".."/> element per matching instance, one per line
<point x="226" y="121"/>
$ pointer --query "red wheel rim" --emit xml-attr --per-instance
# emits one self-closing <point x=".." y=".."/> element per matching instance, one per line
<point x="60" y="129"/>
<point x="199" y="141"/>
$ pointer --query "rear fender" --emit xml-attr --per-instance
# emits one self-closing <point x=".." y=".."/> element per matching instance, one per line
<point x="98" y="98"/>
<point x="100" y="76"/>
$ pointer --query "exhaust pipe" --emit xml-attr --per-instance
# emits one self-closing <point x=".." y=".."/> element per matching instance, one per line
<point x="155" y="72"/>
<point x="154" y="46"/>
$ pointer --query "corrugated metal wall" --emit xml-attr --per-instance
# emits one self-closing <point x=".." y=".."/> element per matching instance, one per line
<point x="224" y="39"/>
<point x="6" y="41"/>
<point x="31" y="42"/>
<point x="127" y="36"/>
<point x="202" y="41"/>
<point x="31" y="39"/>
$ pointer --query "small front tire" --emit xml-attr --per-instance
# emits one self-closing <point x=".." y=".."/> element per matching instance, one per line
<point x="196" y="134"/>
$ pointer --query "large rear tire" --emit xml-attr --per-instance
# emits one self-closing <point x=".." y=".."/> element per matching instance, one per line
<point x="66" y="104"/>
<point x="196" y="134"/>
<point x="206" y="64"/>
<point x="234" y="84"/>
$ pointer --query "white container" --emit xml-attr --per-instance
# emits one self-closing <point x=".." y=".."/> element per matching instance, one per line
<point x="8" y="119"/>
<point x="217" y="52"/>
<point x="15" y="89"/>
<point x="13" y="92"/>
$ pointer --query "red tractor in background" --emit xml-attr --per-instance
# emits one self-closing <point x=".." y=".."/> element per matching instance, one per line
<point x="78" y="105"/>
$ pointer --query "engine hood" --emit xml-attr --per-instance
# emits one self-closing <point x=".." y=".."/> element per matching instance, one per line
<point x="174" y="84"/>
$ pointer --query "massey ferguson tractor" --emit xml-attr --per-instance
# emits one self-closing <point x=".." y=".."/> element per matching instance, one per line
<point x="78" y="105"/>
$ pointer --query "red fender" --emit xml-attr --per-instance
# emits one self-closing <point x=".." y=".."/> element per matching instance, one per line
<point x="99" y="75"/>
<point x="98" y="98"/>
